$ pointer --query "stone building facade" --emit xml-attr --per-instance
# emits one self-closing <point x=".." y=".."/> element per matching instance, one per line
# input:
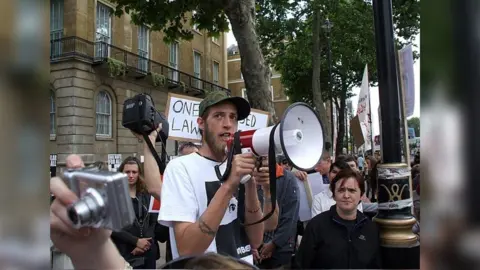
<point x="98" y="60"/>
<point x="237" y="85"/>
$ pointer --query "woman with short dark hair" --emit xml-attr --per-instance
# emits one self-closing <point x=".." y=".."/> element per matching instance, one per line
<point x="343" y="237"/>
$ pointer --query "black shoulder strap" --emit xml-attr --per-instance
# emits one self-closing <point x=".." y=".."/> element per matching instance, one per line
<point x="272" y="167"/>
<point x="160" y="162"/>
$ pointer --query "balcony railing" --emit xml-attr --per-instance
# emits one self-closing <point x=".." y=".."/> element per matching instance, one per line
<point x="99" y="52"/>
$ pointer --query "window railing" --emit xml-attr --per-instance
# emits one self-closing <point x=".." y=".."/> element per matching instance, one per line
<point x="99" y="52"/>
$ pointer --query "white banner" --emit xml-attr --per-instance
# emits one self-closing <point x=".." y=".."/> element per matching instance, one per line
<point x="407" y="74"/>
<point x="53" y="160"/>
<point x="363" y="110"/>
<point x="114" y="161"/>
<point x="182" y="114"/>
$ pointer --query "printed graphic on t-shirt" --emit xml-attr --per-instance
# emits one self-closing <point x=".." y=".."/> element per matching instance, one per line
<point x="231" y="238"/>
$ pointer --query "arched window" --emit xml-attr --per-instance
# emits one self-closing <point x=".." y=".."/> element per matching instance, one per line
<point x="104" y="114"/>
<point x="52" y="113"/>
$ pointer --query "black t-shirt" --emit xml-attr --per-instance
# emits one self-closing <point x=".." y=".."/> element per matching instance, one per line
<point x="350" y="224"/>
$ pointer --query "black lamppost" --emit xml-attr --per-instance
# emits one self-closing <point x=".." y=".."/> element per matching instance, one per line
<point x="327" y="26"/>
<point x="400" y="247"/>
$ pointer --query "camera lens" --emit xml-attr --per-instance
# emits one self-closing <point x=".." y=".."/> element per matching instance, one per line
<point x="88" y="211"/>
<point x="72" y="214"/>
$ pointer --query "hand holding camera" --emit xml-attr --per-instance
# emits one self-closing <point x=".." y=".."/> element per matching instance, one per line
<point x="153" y="135"/>
<point x="76" y="243"/>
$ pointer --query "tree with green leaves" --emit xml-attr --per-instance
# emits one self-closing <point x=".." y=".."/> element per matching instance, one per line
<point x="352" y="45"/>
<point x="176" y="18"/>
<point x="414" y="123"/>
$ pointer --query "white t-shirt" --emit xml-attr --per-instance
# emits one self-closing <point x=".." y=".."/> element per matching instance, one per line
<point x="189" y="184"/>
<point x="323" y="201"/>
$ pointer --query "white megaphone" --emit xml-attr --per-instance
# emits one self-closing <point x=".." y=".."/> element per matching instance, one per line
<point x="298" y="136"/>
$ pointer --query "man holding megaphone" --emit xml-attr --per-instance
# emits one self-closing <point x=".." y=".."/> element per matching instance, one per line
<point x="202" y="211"/>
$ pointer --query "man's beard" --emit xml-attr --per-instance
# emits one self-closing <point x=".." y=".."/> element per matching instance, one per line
<point x="216" y="146"/>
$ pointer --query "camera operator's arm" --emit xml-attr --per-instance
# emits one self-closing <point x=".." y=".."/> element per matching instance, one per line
<point x="253" y="212"/>
<point x="152" y="176"/>
<point x="179" y="205"/>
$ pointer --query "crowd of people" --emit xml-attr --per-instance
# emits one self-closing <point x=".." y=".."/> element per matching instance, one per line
<point x="202" y="222"/>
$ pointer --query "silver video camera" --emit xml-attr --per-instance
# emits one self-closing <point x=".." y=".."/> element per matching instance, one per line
<point x="104" y="199"/>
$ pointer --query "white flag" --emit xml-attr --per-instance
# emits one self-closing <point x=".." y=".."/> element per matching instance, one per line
<point x="363" y="110"/>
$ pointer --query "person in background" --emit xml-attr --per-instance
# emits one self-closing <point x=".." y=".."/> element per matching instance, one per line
<point x="352" y="162"/>
<point x="283" y="161"/>
<point x="137" y="243"/>
<point x="187" y="148"/>
<point x="323" y="166"/>
<point x="324" y="200"/>
<point x="371" y="179"/>
<point x="342" y="237"/>
<point x="360" y="162"/>
<point x="279" y="244"/>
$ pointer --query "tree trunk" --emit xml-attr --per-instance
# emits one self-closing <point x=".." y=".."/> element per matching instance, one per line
<point x="256" y="73"/>
<point x="341" y="124"/>
<point x="316" y="90"/>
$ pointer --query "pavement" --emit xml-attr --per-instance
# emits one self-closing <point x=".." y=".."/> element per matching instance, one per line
<point x="161" y="261"/>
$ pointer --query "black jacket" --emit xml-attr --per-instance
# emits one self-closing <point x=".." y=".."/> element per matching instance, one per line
<point x="328" y="244"/>
<point x="126" y="239"/>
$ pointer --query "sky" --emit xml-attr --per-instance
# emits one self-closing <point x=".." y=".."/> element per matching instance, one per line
<point x="374" y="96"/>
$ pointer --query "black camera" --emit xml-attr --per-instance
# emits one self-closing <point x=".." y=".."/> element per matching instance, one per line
<point x="141" y="117"/>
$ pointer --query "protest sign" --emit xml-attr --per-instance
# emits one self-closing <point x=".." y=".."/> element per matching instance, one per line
<point x="182" y="113"/>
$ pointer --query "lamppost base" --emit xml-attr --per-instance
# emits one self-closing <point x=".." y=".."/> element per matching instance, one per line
<point x="401" y="257"/>
<point x="400" y="246"/>
<point x="397" y="232"/>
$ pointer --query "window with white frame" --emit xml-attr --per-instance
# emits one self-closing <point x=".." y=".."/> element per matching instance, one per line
<point x="103" y="114"/>
<point x="53" y="111"/>
<point x="143" y="48"/>
<point x="197" y="69"/>
<point x="103" y="30"/>
<point x="244" y="93"/>
<point x="173" y="61"/>
<point x="216" y="71"/>
<point x="56" y="27"/>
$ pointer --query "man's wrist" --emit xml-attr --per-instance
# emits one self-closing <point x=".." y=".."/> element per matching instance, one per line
<point x="229" y="188"/>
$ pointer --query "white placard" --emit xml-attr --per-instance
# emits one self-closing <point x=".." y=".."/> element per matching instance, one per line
<point x="114" y="161"/>
<point x="53" y="160"/>
<point x="313" y="185"/>
<point x="182" y="114"/>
